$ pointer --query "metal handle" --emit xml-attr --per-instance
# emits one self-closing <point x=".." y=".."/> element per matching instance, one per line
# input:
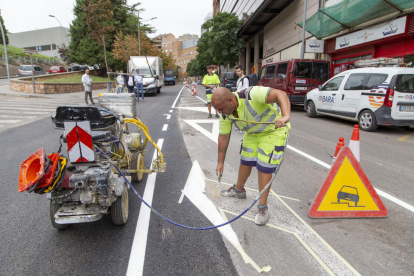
<point x="333" y="94"/>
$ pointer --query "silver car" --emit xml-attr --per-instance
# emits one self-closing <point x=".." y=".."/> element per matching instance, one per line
<point x="26" y="70"/>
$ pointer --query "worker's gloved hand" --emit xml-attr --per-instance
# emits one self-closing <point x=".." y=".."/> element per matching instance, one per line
<point x="281" y="122"/>
<point x="219" y="169"/>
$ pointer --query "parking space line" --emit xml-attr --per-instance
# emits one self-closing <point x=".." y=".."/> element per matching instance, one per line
<point x="403" y="139"/>
<point x="380" y="192"/>
<point x="139" y="245"/>
<point x="307" y="247"/>
<point x="164" y="128"/>
<point x="316" y="234"/>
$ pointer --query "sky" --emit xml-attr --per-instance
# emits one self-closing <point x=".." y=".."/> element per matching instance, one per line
<point x="176" y="17"/>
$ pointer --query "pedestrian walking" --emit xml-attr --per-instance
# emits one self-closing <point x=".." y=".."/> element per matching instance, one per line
<point x="210" y="82"/>
<point x="130" y="82"/>
<point x="139" y="84"/>
<point x="263" y="145"/>
<point x="87" y="84"/>
<point x="243" y="81"/>
<point x="121" y="82"/>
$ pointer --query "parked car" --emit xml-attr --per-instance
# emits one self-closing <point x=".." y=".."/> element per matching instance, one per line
<point x="57" y="69"/>
<point x="369" y="96"/>
<point x="230" y="80"/>
<point x="26" y="70"/>
<point x="295" y="76"/>
<point x="91" y="68"/>
<point x="84" y="67"/>
<point x="74" y="68"/>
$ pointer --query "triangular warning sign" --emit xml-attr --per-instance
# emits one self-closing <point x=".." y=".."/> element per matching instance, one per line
<point x="347" y="192"/>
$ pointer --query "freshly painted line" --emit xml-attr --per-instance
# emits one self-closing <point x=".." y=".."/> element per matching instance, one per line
<point x="212" y="135"/>
<point x="250" y="189"/>
<point x="168" y="116"/>
<point x="380" y="192"/>
<point x="317" y="235"/>
<point x="139" y="245"/>
<point x="171" y="111"/>
<point x="178" y="96"/>
<point x="196" y="108"/>
<point x="164" y="128"/>
<point x="10" y="121"/>
<point x="307" y="247"/>
<point x="201" y="99"/>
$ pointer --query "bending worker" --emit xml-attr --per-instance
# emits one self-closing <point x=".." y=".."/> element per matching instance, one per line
<point x="263" y="144"/>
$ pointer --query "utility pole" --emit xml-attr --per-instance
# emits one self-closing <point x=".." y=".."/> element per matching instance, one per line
<point x="302" y="49"/>
<point x="62" y="28"/>
<point x="5" y="52"/>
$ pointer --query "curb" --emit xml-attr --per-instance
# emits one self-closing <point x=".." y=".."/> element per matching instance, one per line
<point x="22" y="96"/>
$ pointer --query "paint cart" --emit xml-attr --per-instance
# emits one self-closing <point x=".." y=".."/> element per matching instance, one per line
<point x="89" y="182"/>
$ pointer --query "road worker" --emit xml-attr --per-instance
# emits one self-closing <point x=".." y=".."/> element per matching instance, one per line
<point x="263" y="144"/>
<point x="210" y="81"/>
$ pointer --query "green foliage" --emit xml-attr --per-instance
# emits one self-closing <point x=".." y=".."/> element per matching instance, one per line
<point x="84" y="50"/>
<point x="5" y="32"/>
<point x="176" y="70"/>
<point x="220" y="45"/>
<point x="14" y="52"/>
<point x="197" y="66"/>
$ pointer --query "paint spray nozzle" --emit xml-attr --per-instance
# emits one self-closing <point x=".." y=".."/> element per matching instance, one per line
<point x="219" y="180"/>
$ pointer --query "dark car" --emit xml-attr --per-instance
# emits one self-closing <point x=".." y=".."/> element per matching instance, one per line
<point x="26" y="70"/>
<point x="230" y="81"/>
<point x="348" y="193"/>
<point x="74" y="68"/>
<point x="57" y="69"/>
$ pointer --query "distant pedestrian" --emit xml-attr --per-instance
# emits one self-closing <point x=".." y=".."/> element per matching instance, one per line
<point x="121" y="82"/>
<point x="130" y="82"/>
<point x="87" y="84"/>
<point x="243" y="81"/>
<point x="210" y="82"/>
<point x="139" y="83"/>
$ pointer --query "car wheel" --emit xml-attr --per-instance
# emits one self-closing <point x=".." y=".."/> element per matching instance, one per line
<point x="54" y="207"/>
<point x="120" y="209"/>
<point x="367" y="121"/>
<point x="310" y="110"/>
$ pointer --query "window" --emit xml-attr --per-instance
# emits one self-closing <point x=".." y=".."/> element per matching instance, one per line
<point x="262" y="72"/>
<point x="405" y="83"/>
<point x="191" y="52"/>
<point x="333" y="85"/>
<point x="375" y="80"/>
<point x="303" y="70"/>
<point x="281" y="70"/>
<point x="357" y="82"/>
<point x="170" y="50"/>
<point x="320" y="71"/>
<point x="270" y="72"/>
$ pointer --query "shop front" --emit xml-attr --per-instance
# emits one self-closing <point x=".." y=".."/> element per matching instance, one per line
<point x="394" y="39"/>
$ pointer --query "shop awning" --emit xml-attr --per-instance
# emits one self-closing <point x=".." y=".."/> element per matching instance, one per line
<point x="350" y="13"/>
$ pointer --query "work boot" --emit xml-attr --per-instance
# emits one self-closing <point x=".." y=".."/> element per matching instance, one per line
<point x="217" y="116"/>
<point x="209" y="115"/>
<point x="262" y="215"/>
<point x="233" y="192"/>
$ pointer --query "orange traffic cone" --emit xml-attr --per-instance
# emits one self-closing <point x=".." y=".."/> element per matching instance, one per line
<point x="354" y="143"/>
<point x="194" y="90"/>
<point x="338" y="148"/>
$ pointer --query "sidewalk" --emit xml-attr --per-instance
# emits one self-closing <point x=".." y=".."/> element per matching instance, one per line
<point x="5" y="91"/>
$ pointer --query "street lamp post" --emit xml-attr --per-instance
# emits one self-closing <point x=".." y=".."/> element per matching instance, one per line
<point x="5" y="52"/>
<point x="62" y="27"/>
<point x="139" y="33"/>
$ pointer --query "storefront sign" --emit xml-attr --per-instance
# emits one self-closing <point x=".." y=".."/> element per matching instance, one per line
<point x="314" y="46"/>
<point x="392" y="28"/>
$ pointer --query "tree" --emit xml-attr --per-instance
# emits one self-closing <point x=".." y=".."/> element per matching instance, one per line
<point x="176" y="70"/>
<point x="5" y="32"/>
<point x="197" y="67"/>
<point x="220" y="45"/>
<point x="98" y="19"/>
<point x="63" y="52"/>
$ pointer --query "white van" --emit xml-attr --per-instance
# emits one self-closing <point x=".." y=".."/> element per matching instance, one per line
<point x="370" y="96"/>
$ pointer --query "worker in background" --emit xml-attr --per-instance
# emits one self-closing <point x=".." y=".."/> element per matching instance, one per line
<point x="263" y="145"/>
<point x="121" y="82"/>
<point x="210" y="82"/>
<point x="87" y="84"/>
<point x="243" y="81"/>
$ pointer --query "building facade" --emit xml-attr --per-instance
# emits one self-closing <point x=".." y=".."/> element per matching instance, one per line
<point x="47" y="40"/>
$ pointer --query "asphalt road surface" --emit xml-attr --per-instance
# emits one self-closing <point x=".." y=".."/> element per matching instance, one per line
<point x="291" y="244"/>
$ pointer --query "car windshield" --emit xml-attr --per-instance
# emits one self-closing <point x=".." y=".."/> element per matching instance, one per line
<point x="143" y="71"/>
<point x="54" y="68"/>
<point x="311" y="70"/>
<point x="169" y="73"/>
<point x="405" y="83"/>
<point x="26" y="68"/>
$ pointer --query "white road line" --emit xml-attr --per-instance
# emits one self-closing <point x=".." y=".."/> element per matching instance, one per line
<point x="168" y="116"/>
<point x="380" y="192"/>
<point x="201" y="99"/>
<point x="171" y="111"/>
<point x="23" y="108"/>
<point x="137" y="256"/>
<point x="178" y="96"/>
<point x="10" y="121"/>
<point x="164" y="128"/>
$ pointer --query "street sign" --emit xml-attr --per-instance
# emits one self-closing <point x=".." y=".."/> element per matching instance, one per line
<point x="347" y="192"/>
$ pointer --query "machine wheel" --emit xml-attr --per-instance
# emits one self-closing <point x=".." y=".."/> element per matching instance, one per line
<point x="367" y="121"/>
<point x="137" y="163"/>
<point x="120" y="209"/>
<point x="54" y="207"/>
<point x="310" y="110"/>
